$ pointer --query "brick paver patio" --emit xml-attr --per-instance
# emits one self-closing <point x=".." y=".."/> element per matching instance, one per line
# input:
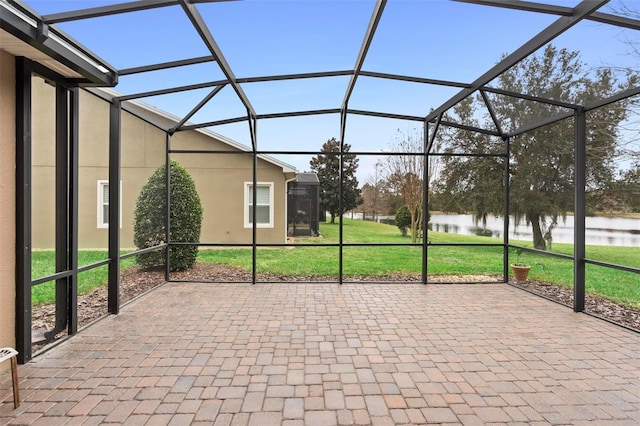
<point x="324" y="354"/>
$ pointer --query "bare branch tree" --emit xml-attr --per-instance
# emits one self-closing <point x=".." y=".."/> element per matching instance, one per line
<point x="373" y="193"/>
<point x="404" y="174"/>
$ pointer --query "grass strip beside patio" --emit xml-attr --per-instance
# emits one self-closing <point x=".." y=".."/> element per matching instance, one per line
<point x="315" y="260"/>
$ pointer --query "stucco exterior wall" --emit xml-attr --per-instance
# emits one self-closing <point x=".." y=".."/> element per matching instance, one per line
<point x="220" y="178"/>
<point x="7" y="200"/>
<point x="43" y="157"/>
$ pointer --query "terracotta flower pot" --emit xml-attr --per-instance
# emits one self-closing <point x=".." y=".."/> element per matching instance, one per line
<point x="520" y="272"/>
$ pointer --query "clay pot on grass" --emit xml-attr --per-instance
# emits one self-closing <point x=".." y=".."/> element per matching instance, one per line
<point x="520" y="271"/>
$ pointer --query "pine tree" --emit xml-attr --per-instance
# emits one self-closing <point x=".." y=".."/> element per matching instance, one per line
<point x="327" y="167"/>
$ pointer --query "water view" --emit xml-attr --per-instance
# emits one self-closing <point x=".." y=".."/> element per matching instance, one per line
<point x="604" y="231"/>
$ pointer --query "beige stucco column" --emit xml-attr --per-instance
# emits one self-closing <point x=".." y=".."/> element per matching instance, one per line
<point x="7" y="200"/>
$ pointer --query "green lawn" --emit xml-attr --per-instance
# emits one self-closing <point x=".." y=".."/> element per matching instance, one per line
<point x="43" y="263"/>
<point x="615" y="285"/>
<point x="316" y="260"/>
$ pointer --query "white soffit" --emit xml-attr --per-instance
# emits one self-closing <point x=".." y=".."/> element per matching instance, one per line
<point x="17" y="47"/>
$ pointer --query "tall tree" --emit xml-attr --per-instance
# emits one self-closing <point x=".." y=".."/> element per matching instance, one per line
<point x="628" y="189"/>
<point x="369" y="202"/>
<point x="327" y="166"/>
<point x="542" y="160"/>
<point x="475" y="183"/>
<point x="375" y="197"/>
<point x="405" y="175"/>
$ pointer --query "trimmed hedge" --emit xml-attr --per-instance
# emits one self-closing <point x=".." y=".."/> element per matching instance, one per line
<point x="185" y="218"/>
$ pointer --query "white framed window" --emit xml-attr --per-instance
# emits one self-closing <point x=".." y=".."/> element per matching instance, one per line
<point x="103" y="204"/>
<point x="264" y="204"/>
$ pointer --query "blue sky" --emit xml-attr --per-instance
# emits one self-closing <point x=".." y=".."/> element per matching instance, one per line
<point x="435" y="39"/>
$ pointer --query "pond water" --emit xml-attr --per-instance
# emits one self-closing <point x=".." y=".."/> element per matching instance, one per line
<point x="604" y="231"/>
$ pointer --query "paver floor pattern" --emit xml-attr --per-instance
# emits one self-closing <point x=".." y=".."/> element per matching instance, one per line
<point x="325" y="354"/>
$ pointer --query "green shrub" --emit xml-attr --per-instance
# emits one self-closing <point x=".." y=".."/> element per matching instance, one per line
<point x="403" y="219"/>
<point x="185" y="219"/>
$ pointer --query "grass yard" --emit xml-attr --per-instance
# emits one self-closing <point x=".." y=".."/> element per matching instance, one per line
<point x="618" y="286"/>
<point x="316" y="260"/>
<point x="43" y="263"/>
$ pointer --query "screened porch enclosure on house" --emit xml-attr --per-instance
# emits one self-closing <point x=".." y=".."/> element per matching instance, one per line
<point x="303" y="204"/>
<point x="245" y="125"/>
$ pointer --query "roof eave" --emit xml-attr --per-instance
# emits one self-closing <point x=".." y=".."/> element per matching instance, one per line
<point x="26" y="25"/>
<point x="161" y="118"/>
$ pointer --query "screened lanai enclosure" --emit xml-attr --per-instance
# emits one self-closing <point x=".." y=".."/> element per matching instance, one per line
<point x="523" y="111"/>
<point x="303" y="204"/>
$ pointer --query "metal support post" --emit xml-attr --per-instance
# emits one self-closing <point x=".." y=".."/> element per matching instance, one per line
<point x="23" y="209"/>
<point x="343" y="126"/>
<point x="425" y="201"/>
<point x="579" y="254"/>
<point x="74" y="169"/>
<point x="62" y="210"/>
<point x="113" y="294"/>
<point x="505" y="209"/>
<point x="167" y="210"/>
<point x="253" y="123"/>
